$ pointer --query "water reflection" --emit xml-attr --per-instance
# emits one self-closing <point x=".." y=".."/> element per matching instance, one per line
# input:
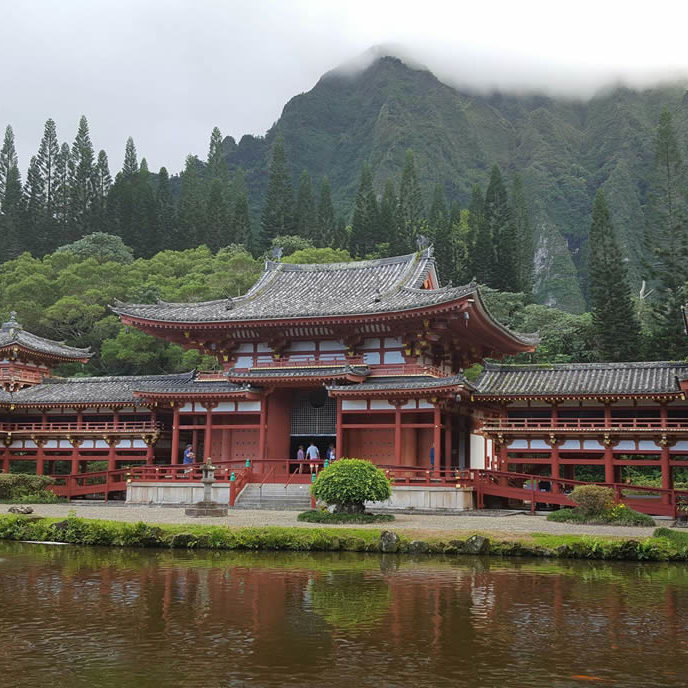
<point x="87" y="616"/>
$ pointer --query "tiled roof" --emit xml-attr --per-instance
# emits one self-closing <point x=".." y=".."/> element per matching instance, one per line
<point x="325" y="371"/>
<point x="286" y="290"/>
<point x="581" y="379"/>
<point x="96" y="390"/>
<point x="12" y="333"/>
<point x="192" y="387"/>
<point x="411" y="382"/>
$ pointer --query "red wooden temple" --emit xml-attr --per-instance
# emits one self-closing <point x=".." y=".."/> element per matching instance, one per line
<point x="367" y="356"/>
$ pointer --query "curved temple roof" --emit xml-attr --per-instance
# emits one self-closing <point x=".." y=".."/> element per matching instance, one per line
<point x="13" y="334"/>
<point x="581" y="379"/>
<point x="287" y="291"/>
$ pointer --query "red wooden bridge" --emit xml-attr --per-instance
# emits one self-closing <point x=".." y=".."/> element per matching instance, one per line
<point x="510" y="487"/>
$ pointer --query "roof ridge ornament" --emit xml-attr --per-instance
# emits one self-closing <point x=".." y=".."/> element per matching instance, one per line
<point x="12" y="323"/>
<point x="276" y="252"/>
<point x="423" y="242"/>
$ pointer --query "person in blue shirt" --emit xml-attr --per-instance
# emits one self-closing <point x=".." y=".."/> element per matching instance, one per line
<point x="189" y="456"/>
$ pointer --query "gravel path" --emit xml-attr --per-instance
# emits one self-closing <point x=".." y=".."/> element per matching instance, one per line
<point x="515" y="524"/>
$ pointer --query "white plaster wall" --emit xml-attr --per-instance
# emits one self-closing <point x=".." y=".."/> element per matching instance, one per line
<point x="477" y="451"/>
<point x="186" y="493"/>
<point x="225" y="406"/>
<point x="353" y="405"/>
<point x="248" y="406"/>
<point x="380" y="404"/>
<point x="417" y="498"/>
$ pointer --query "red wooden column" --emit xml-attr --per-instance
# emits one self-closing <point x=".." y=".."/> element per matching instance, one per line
<point x="609" y="473"/>
<point x="6" y="460"/>
<point x="397" y="432"/>
<point x="437" y="434"/>
<point x="339" y="439"/>
<point x="112" y="457"/>
<point x="75" y="455"/>
<point x="208" y="433"/>
<point x="665" y="458"/>
<point x="175" y="435"/>
<point x="448" y="421"/>
<point x="40" y="457"/>
<point x="556" y="466"/>
<point x="79" y="419"/>
<point x="263" y="426"/>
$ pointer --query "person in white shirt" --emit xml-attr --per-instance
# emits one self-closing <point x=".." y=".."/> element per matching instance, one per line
<point x="312" y="453"/>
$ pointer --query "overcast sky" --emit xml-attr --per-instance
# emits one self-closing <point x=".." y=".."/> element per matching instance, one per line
<point x="167" y="71"/>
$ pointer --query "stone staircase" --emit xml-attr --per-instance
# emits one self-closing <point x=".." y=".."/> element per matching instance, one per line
<point x="274" y="496"/>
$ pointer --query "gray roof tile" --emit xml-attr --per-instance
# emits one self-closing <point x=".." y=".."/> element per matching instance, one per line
<point x="11" y="332"/>
<point x="581" y="379"/>
<point x="410" y="382"/>
<point x="325" y="371"/>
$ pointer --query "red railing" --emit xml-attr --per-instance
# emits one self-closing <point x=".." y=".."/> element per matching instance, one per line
<point x="525" y="487"/>
<point x="326" y="360"/>
<point x="86" y="427"/>
<point x="407" y="369"/>
<point x="94" y="483"/>
<point x="586" y="425"/>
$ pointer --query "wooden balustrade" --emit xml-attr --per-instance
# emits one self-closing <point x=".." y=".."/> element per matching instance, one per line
<point x="85" y="427"/>
<point x="585" y="425"/>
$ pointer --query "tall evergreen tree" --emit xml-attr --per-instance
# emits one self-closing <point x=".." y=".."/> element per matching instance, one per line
<point x="524" y="235"/>
<point x="441" y="233"/>
<point x="306" y="212"/>
<point x="387" y="218"/>
<point x="102" y="182"/>
<point x="166" y="213"/>
<point x="481" y="248"/>
<point x="130" y="167"/>
<point x="11" y="204"/>
<point x="242" y="223"/>
<point x="217" y="164"/>
<point x="48" y="154"/>
<point x="8" y="160"/>
<point x="61" y="194"/>
<point x="499" y="226"/>
<point x="81" y="190"/>
<point x="670" y="242"/>
<point x="34" y="238"/>
<point x="411" y="210"/>
<point x="326" y="221"/>
<point x="218" y="228"/>
<point x="191" y="208"/>
<point x="364" y="224"/>
<point x="614" y="319"/>
<point x="278" y="211"/>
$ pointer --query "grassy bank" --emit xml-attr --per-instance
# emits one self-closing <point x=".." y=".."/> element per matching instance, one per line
<point x="665" y="546"/>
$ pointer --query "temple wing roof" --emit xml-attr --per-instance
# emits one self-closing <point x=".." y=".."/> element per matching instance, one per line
<point x="91" y="391"/>
<point x="319" y="372"/>
<point x="568" y="379"/>
<point x="401" y="383"/>
<point x="12" y="334"/>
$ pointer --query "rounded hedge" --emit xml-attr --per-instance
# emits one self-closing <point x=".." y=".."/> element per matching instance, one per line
<point x="348" y="483"/>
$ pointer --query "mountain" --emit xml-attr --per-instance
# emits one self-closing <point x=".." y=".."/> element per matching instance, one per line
<point x="565" y="149"/>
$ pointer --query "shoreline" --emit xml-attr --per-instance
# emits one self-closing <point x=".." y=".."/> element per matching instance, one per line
<point x="665" y="545"/>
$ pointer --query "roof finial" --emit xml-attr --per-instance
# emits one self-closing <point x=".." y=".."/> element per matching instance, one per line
<point x="276" y="252"/>
<point x="12" y="323"/>
<point x="422" y="242"/>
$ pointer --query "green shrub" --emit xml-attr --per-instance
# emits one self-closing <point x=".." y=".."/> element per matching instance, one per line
<point x="348" y="483"/>
<point x="618" y="515"/>
<point x="19" y="485"/>
<point x="317" y="516"/>
<point x="593" y="499"/>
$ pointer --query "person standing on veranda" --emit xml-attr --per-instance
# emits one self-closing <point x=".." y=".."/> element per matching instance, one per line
<point x="312" y="454"/>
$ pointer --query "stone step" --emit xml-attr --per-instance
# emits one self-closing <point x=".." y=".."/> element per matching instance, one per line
<point x="274" y="496"/>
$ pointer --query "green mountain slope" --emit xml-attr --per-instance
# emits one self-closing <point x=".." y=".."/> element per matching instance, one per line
<point x="565" y="150"/>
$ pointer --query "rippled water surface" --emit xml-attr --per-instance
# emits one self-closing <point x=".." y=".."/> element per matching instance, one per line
<point x="74" y="616"/>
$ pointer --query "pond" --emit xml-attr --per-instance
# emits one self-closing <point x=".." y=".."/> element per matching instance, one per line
<point x="72" y="616"/>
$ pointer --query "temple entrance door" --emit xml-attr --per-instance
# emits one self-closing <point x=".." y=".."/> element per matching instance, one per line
<point x="313" y="418"/>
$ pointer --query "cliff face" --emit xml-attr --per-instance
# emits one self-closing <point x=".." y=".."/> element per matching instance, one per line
<point x="564" y="149"/>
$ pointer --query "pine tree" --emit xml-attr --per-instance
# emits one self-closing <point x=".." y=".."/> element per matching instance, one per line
<point x="306" y="213"/>
<point x="146" y="238"/>
<point x="217" y="164"/>
<point x="500" y="228"/>
<point x="48" y="154"/>
<point x="11" y="204"/>
<point x="481" y="249"/>
<point x="411" y="209"/>
<point x="326" y="221"/>
<point x="670" y="243"/>
<point x="614" y="319"/>
<point x="102" y="182"/>
<point x="191" y="209"/>
<point x="131" y="164"/>
<point x="242" y="223"/>
<point x="80" y="181"/>
<point x="34" y="238"/>
<point x="278" y="211"/>
<point x="441" y="234"/>
<point x="524" y="235"/>
<point x="365" y="220"/>
<point x="387" y="218"/>
<point x="218" y="229"/>
<point x="61" y="194"/>
<point x="166" y="220"/>
<point x="8" y="160"/>
<point x="342" y="235"/>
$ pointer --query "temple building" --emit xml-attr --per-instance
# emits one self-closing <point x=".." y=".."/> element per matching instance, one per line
<point x="368" y="357"/>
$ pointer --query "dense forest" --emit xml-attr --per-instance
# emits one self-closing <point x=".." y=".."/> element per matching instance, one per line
<point x="75" y="239"/>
